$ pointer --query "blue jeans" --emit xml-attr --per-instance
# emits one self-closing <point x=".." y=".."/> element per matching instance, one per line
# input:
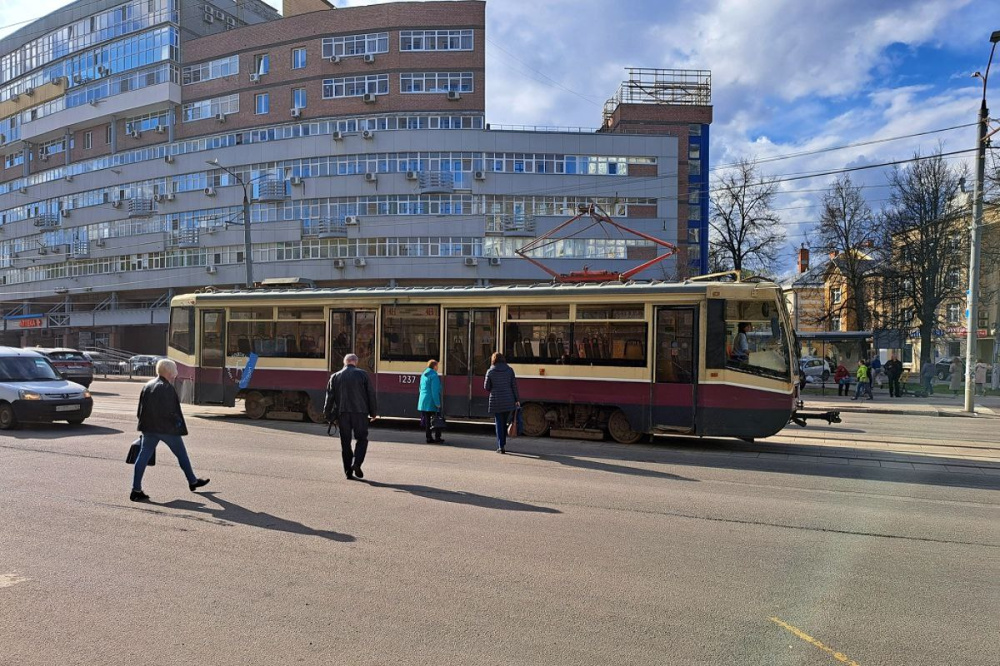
<point x="149" y="442"/>
<point x="501" y="420"/>
<point x="929" y="385"/>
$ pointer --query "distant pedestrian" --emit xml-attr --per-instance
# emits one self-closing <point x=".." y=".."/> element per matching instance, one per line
<point x="956" y="375"/>
<point x="504" y="399"/>
<point x="843" y="379"/>
<point x="351" y="404"/>
<point x="875" y="373"/>
<point x="980" y="376"/>
<point x="893" y="371"/>
<point x="161" y="420"/>
<point x="864" y="387"/>
<point x="927" y="377"/>
<point x="429" y="402"/>
<point x="995" y="378"/>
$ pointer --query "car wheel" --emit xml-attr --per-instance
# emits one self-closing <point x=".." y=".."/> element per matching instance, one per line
<point x="7" y="419"/>
<point x="943" y="376"/>
<point x="826" y="375"/>
<point x="75" y="422"/>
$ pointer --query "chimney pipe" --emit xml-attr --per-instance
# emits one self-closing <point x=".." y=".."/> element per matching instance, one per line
<point x="803" y="258"/>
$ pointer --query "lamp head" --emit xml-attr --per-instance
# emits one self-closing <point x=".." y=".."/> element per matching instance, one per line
<point x="995" y="37"/>
<point x="215" y="161"/>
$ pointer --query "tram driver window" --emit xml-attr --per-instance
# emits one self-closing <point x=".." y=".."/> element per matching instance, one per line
<point x="756" y="340"/>
<point x="180" y="335"/>
<point x="410" y="332"/>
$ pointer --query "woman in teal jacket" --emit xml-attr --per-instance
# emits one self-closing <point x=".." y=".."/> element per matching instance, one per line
<point x="429" y="403"/>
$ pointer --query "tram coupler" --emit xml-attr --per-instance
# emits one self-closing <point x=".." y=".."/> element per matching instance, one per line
<point x="800" y="417"/>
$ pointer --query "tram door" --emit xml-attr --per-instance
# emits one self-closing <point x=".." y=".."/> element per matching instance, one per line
<point x="470" y="340"/>
<point x="676" y="373"/>
<point x="352" y="331"/>
<point x="211" y="371"/>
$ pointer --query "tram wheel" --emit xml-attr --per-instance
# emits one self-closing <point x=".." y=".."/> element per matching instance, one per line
<point x="620" y="430"/>
<point x="255" y="405"/>
<point x="535" y="424"/>
<point x="313" y="414"/>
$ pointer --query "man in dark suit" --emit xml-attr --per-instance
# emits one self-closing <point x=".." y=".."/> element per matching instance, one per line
<point x="351" y="403"/>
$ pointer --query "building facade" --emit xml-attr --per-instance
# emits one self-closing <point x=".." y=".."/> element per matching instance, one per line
<point x="132" y="134"/>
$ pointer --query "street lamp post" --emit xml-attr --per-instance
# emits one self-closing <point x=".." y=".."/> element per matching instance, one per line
<point x="247" y="251"/>
<point x="972" y="314"/>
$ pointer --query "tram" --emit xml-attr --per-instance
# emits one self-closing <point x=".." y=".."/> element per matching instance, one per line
<point x="625" y="359"/>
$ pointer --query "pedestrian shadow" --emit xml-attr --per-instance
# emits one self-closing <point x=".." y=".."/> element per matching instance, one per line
<point x="234" y="513"/>
<point x="463" y="497"/>
<point x="59" y="431"/>
<point x="584" y="463"/>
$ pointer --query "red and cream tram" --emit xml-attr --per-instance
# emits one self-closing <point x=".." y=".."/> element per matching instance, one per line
<point x="625" y="359"/>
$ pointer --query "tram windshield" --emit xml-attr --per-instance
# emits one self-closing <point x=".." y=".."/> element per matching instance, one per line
<point x="757" y="341"/>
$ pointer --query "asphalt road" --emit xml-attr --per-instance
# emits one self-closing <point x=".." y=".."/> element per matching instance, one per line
<point x="562" y="552"/>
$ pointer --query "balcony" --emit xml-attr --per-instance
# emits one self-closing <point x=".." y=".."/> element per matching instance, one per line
<point x="46" y="221"/>
<point x="435" y="182"/>
<point x="507" y="224"/>
<point x="140" y="208"/>
<point x="184" y="238"/>
<point x="326" y="228"/>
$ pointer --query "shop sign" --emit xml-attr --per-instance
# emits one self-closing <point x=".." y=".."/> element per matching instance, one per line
<point x="24" y="322"/>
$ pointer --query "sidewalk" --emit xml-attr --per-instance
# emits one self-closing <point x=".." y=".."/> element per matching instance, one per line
<point x="942" y="403"/>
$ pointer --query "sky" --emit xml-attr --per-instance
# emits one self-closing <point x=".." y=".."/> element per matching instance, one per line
<point x="789" y="78"/>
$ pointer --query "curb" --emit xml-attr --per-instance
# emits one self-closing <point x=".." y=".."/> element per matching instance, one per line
<point x="982" y="412"/>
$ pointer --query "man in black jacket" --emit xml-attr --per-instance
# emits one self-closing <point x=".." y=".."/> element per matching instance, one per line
<point x="350" y="402"/>
<point x="160" y="419"/>
<point x="894" y="370"/>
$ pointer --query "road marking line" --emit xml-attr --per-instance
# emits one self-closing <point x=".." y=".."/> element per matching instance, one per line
<point x="10" y="580"/>
<point x="812" y="641"/>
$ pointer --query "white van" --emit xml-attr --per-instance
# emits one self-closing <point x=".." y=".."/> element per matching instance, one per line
<point x="32" y="390"/>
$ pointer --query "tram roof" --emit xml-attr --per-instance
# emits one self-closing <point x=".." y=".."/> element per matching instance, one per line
<point x="564" y="289"/>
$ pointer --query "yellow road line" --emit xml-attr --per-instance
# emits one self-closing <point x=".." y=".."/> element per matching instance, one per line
<point x="839" y="656"/>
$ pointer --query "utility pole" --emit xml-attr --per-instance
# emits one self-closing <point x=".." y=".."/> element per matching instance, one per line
<point x="972" y="314"/>
<point x="247" y="245"/>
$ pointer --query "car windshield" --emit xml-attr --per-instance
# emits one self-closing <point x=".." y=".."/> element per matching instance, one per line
<point x="27" y="369"/>
<point x="66" y="356"/>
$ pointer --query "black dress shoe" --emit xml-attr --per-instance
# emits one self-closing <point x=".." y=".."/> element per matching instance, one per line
<point x="198" y="484"/>
<point x="358" y="473"/>
<point x="138" y="496"/>
<point x="349" y="473"/>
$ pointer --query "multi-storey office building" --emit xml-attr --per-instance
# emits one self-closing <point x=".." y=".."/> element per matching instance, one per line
<point x="131" y="133"/>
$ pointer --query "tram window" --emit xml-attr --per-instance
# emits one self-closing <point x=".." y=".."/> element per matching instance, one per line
<point x="340" y="335"/>
<point x="756" y="339"/>
<point x="410" y="332"/>
<point x="608" y="343"/>
<point x="251" y="336"/>
<point x="610" y="312"/>
<point x="300" y="313"/>
<point x="296" y="339"/>
<point x="181" y="337"/>
<point x="538" y="342"/>
<point x="537" y="312"/>
<point x="251" y="313"/>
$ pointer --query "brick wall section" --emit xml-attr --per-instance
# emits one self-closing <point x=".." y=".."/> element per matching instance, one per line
<point x="99" y="145"/>
<point x="642" y="170"/>
<point x="642" y="212"/>
<point x="296" y="7"/>
<point x="279" y="38"/>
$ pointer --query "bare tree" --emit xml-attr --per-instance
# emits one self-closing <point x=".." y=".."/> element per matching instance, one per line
<point x="847" y="231"/>
<point x="746" y="232"/>
<point x="923" y="247"/>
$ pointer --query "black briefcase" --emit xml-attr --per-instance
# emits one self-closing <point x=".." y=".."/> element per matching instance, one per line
<point x="133" y="453"/>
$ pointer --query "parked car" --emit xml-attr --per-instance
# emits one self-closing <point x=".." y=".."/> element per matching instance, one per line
<point x="815" y="368"/>
<point x="143" y="364"/>
<point x="71" y="364"/>
<point x="105" y="364"/>
<point x="31" y="390"/>
<point x="942" y="368"/>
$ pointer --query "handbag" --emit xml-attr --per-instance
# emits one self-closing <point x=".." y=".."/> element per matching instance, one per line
<point x="438" y="422"/>
<point x="133" y="453"/>
<point x="512" y="429"/>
